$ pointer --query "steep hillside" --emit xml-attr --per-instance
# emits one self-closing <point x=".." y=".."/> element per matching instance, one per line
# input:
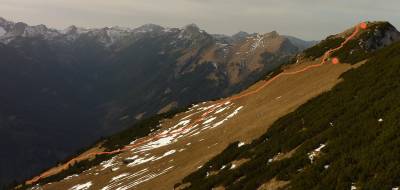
<point x="346" y="138"/>
<point x="67" y="88"/>
<point x="188" y="140"/>
<point x="193" y="140"/>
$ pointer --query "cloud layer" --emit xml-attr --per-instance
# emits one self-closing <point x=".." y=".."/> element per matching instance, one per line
<point x="309" y="19"/>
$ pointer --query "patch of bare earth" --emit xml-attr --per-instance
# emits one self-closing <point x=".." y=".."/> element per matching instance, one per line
<point x="273" y="184"/>
<point x="187" y="144"/>
<point x="238" y="163"/>
<point x="281" y="156"/>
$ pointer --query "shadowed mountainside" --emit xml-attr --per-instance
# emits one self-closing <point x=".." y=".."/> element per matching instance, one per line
<point x="66" y="88"/>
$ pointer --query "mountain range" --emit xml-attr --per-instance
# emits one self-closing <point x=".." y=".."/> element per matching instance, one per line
<point x="64" y="89"/>
<point x="326" y="120"/>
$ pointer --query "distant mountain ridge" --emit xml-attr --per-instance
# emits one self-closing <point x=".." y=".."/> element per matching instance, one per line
<point x="110" y="36"/>
<point x="66" y="88"/>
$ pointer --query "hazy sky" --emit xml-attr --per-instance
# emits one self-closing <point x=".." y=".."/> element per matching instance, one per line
<point x="307" y="19"/>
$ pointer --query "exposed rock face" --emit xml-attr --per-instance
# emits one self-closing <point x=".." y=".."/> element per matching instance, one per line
<point x="383" y="34"/>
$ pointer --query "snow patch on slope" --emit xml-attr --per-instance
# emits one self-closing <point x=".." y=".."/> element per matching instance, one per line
<point x="108" y="163"/>
<point x="141" y="161"/>
<point x="197" y="119"/>
<point x="315" y="152"/>
<point x="133" y="180"/>
<point x="119" y="176"/>
<point x="258" y="42"/>
<point x="82" y="186"/>
<point x="116" y="183"/>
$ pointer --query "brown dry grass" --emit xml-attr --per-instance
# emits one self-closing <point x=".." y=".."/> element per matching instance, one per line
<point x="273" y="184"/>
<point x="260" y="110"/>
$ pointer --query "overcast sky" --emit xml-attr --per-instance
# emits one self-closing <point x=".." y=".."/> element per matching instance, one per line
<point x="307" y="19"/>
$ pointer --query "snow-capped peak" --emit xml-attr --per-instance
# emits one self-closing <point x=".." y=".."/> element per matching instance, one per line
<point x="108" y="36"/>
<point x="72" y="30"/>
<point x="9" y="30"/>
<point x="149" y="28"/>
<point x="190" y="31"/>
<point x="39" y="30"/>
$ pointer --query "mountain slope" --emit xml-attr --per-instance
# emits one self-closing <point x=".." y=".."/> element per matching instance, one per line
<point x="67" y="88"/>
<point x="343" y="139"/>
<point x="187" y="141"/>
<point x="253" y="113"/>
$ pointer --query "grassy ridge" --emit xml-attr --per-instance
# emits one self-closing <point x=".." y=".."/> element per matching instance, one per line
<point x="360" y="150"/>
<point x="357" y="50"/>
